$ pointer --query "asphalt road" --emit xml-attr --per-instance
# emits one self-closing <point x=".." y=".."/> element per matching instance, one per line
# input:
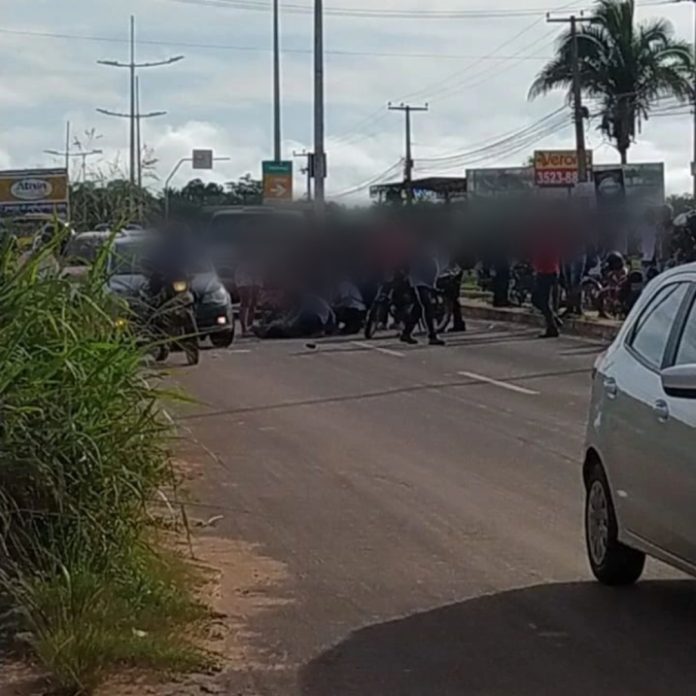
<point x="427" y="503"/>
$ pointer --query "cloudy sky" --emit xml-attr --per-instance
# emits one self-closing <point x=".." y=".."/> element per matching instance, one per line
<point x="473" y="67"/>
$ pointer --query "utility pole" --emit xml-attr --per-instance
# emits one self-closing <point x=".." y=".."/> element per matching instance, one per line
<point x="319" y="154"/>
<point x="408" y="164"/>
<point x="132" y="66"/>
<point x="308" y="170"/>
<point x="578" y="111"/>
<point x="277" y="139"/>
<point x="693" y="101"/>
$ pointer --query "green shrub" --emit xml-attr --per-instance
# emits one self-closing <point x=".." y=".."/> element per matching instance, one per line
<point x="83" y="449"/>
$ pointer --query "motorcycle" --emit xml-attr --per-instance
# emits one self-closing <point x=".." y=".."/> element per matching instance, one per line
<point x="609" y="288"/>
<point x="521" y="283"/>
<point x="447" y="291"/>
<point x="170" y="323"/>
<point x="393" y="300"/>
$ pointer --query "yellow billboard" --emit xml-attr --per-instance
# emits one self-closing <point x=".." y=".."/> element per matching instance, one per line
<point x="31" y="191"/>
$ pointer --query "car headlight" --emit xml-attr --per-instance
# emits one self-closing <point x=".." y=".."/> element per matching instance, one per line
<point x="218" y="296"/>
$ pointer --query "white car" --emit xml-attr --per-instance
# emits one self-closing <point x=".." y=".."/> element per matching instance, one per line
<point x="640" y="458"/>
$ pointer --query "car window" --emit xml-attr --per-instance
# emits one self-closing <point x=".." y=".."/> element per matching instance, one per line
<point x="652" y="330"/>
<point x="686" y="352"/>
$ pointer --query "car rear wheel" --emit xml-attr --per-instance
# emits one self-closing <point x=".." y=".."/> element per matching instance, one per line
<point x="612" y="562"/>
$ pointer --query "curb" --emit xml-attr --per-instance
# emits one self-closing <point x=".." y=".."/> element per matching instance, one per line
<point x="576" y="327"/>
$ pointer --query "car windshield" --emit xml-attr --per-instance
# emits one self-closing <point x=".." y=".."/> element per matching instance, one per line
<point x="127" y="259"/>
<point x="83" y="250"/>
<point x="244" y="229"/>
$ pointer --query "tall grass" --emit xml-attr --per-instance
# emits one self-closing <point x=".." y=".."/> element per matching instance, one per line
<point x="83" y="448"/>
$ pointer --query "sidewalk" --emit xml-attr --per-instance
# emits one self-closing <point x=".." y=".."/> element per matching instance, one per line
<point x="589" y="326"/>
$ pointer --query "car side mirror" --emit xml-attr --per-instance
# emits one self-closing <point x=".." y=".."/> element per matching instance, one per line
<point x="680" y="381"/>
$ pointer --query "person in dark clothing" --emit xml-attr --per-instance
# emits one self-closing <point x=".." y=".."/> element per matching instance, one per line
<point x="501" y="282"/>
<point x="546" y="266"/>
<point x="423" y="277"/>
<point x="450" y="284"/>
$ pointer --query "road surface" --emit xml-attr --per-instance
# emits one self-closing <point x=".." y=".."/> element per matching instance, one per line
<point x="427" y="505"/>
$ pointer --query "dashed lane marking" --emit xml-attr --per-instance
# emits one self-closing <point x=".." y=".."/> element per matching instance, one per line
<point x="379" y="349"/>
<point x="497" y="383"/>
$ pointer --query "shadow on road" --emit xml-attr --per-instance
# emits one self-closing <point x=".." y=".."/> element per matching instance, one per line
<point x="577" y="638"/>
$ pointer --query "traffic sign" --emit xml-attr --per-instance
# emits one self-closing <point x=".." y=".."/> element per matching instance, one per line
<point x="277" y="182"/>
<point x="202" y="159"/>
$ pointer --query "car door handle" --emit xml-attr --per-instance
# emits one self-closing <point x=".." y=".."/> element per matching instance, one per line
<point x="661" y="410"/>
<point x="610" y="387"/>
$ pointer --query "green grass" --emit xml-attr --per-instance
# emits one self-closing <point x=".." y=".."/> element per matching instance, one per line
<point x="84" y="448"/>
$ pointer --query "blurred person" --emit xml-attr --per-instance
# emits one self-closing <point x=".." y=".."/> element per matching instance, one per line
<point x="546" y="263"/>
<point x="648" y="238"/>
<point x="303" y="315"/>
<point x="248" y="284"/>
<point x="349" y="308"/>
<point x="423" y="273"/>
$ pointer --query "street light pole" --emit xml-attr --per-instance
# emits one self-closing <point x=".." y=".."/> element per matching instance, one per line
<point x="133" y="173"/>
<point x="277" y="155"/>
<point x="319" y="154"/>
<point x="132" y="66"/>
<point x="173" y="173"/>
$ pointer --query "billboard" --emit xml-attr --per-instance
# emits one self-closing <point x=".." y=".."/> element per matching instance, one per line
<point x="500" y="181"/>
<point x="558" y="167"/>
<point x="31" y="191"/>
<point x="644" y="183"/>
<point x="277" y="182"/>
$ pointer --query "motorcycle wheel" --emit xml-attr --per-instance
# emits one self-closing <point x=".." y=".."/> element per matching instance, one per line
<point x="193" y="352"/>
<point x="591" y="291"/>
<point x="161" y="353"/>
<point x="443" y="313"/>
<point x="373" y="318"/>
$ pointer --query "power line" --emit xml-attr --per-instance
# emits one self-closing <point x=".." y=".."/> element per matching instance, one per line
<point x="174" y="43"/>
<point x="377" y="13"/>
<point x="441" y="87"/>
<point x="521" y="146"/>
<point x="370" y="182"/>
<point x="504" y="139"/>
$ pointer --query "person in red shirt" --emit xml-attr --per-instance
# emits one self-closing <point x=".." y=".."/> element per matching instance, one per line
<point x="547" y="265"/>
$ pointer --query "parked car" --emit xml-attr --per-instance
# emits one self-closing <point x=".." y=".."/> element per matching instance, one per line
<point x="258" y="231"/>
<point x="82" y="251"/>
<point x="212" y="307"/>
<point x="640" y="458"/>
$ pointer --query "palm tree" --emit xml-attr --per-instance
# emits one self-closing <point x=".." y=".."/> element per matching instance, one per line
<point x="626" y="67"/>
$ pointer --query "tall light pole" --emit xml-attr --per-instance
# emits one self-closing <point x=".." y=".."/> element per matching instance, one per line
<point x="319" y="153"/>
<point x="132" y="67"/>
<point x="277" y="155"/>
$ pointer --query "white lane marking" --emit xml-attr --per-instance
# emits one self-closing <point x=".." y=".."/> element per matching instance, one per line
<point x="239" y="351"/>
<point x="379" y="349"/>
<point x="498" y="383"/>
